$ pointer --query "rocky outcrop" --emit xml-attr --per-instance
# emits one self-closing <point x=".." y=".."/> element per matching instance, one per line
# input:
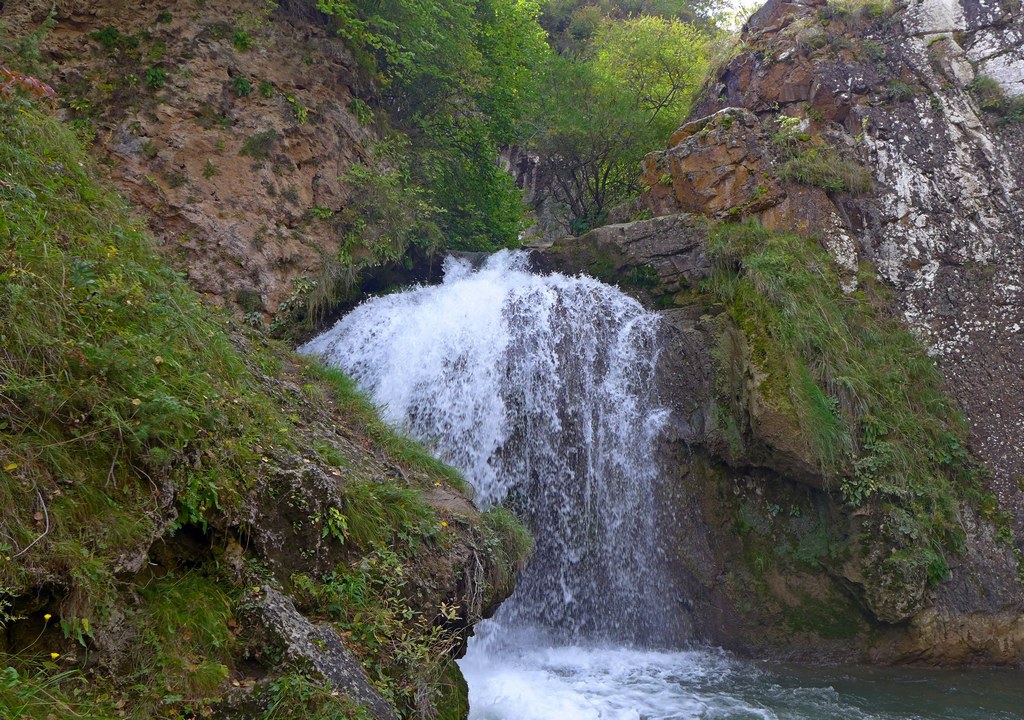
<point x="858" y="124"/>
<point x="319" y="648"/>
<point x="772" y="558"/>
<point x="892" y="87"/>
<point x="235" y="145"/>
<point x="549" y="218"/>
<point x="664" y="255"/>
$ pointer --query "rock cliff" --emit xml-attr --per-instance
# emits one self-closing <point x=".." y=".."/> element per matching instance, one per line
<point x="889" y="133"/>
<point x="233" y="132"/>
<point x="899" y="90"/>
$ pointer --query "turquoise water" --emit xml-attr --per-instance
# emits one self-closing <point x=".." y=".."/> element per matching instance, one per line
<point x="521" y="680"/>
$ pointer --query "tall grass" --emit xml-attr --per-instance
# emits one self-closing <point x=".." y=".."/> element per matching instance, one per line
<point x="112" y="371"/>
<point x="860" y="387"/>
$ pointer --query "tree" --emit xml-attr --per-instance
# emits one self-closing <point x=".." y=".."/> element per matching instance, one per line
<point x="456" y="77"/>
<point x="602" y="112"/>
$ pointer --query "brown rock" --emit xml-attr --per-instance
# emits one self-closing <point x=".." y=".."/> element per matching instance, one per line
<point x="716" y="166"/>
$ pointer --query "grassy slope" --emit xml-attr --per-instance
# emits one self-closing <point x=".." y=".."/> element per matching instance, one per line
<point x="129" y="410"/>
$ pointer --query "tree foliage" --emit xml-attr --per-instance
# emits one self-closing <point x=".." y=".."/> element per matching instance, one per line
<point x="455" y="77"/>
<point x="463" y="78"/>
<point x="602" y="111"/>
<point x="572" y="23"/>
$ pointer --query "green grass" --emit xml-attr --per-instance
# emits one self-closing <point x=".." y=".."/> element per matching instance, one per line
<point x="127" y="403"/>
<point x="378" y="512"/>
<point x="294" y="696"/>
<point x="115" y="381"/>
<point x="993" y="99"/>
<point x="510" y="541"/>
<point x="361" y="411"/>
<point x="404" y="651"/>
<point x="858" y="385"/>
<point x="184" y="646"/>
<point x="823" y="167"/>
<point x="41" y="691"/>
<point x="112" y="370"/>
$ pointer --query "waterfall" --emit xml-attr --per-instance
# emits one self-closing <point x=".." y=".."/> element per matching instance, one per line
<point x="540" y="389"/>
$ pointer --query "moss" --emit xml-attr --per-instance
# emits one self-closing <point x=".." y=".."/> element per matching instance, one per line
<point x="510" y="543"/>
<point x="833" y="619"/>
<point x="861" y="388"/>
<point x="453" y="695"/>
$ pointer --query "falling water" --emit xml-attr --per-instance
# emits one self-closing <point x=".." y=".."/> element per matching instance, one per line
<point x="541" y="390"/>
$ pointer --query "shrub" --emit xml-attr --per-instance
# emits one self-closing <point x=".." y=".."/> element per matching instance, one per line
<point x="299" y="111"/>
<point x="361" y="110"/>
<point x="111" y="39"/>
<point x="156" y="77"/>
<point x="258" y="146"/>
<point x="241" y="86"/>
<point x="993" y="99"/>
<point x="242" y="40"/>
<point x="900" y="91"/>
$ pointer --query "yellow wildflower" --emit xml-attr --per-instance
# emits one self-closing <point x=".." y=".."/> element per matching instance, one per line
<point x="54" y="656"/>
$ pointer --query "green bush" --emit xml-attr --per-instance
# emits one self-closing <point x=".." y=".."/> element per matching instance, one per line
<point x="241" y="86"/>
<point x="111" y="39"/>
<point x="156" y="77"/>
<point x="993" y="99"/>
<point x="259" y="145"/>
<point x="242" y="40"/>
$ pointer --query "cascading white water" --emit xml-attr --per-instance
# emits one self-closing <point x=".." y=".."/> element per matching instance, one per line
<point x="540" y="389"/>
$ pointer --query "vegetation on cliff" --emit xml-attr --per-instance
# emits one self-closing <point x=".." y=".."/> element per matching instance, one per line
<point x="862" y="391"/>
<point x="140" y="429"/>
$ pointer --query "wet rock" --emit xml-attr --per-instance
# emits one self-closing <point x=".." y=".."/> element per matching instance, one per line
<point x="664" y="255"/>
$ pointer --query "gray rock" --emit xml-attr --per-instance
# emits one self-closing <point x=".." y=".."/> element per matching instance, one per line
<point x="320" y="648"/>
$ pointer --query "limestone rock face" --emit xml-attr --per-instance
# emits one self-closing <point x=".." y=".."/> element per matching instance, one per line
<point x="891" y="91"/>
<point x="233" y="150"/>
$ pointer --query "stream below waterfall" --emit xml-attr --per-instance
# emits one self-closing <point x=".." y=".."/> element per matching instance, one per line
<point x="541" y="390"/>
